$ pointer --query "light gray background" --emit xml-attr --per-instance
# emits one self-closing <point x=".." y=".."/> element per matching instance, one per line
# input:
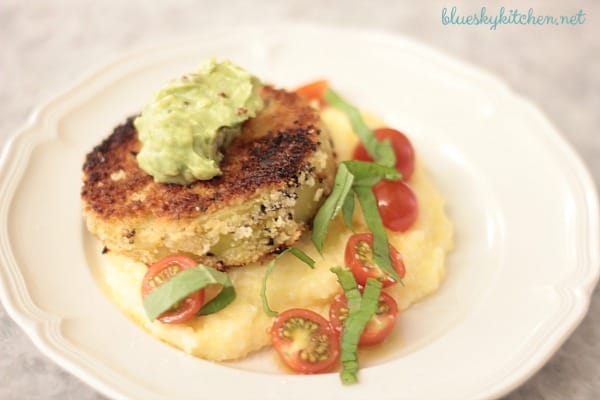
<point x="46" y="45"/>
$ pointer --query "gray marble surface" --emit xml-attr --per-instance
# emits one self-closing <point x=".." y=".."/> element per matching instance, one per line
<point x="46" y="45"/>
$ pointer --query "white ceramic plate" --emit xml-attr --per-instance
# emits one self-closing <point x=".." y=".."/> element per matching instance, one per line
<point x="524" y="208"/>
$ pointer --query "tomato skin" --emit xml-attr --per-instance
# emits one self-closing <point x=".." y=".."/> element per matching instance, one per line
<point x="405" y="153"/>
<point x="314" y="91"/>
<point x="397" y="205"/>
<point x="379" y="326"/>
<point x="286" y="333"/>
<point x="359" y="259"/>
<point x="165" y="268"/>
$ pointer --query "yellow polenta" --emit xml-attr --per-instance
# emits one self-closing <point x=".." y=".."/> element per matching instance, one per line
<point x="242" y="327"/>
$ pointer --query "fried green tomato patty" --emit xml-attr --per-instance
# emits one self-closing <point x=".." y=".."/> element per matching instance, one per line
<point x="275" y="175"/>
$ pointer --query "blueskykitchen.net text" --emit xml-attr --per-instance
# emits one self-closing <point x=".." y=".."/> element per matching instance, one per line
<point x="451" y="16"/>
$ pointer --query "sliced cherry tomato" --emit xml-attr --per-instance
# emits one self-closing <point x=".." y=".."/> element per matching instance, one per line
<point x="379" y="326"/>
<point x="359" y="258"/>
<point x="305" y="341"/>
<point x="397" y="205"/>
<point x="163" y="270"/>
<point x="405" y="154"/>
<point x="314" y="91"/>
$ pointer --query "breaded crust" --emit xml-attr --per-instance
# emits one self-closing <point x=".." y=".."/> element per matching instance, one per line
<point x="274" y="157"/>
<point x="272" y="149"/>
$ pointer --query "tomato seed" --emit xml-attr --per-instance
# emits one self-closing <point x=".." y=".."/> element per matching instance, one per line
<point x="164" y="275"/>
<point x="318" y="347"/>
<point x="364" y="253"/>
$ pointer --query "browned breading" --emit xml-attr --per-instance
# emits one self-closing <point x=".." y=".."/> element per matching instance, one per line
<point x="280" y="153"/>
<point x="272" y="149"/>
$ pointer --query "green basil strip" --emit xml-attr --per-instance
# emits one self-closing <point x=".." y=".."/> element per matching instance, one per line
<point x="368" y="173"/>
<point x="351" y="332"/>
<point x="184" y="283"/>
<point x="360" y="311"/>
<point x="331" y="206"/>
<point x="355" y="324"/>
<point x="349" y="176"/>
<point x="225" y="297"/>
<point x="348" y="283"/>
<point x="381" y="250"/>
<point x="302" y="256"/>
<point x="348" y="210"/>
<point x="381" y="152"/>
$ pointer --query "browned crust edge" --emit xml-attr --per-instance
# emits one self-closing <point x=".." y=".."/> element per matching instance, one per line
<point x="271" y="151"/>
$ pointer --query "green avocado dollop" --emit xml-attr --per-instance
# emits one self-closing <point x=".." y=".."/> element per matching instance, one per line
<point x="184" y="128"/>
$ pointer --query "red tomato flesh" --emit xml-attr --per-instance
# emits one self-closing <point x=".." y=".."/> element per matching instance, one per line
<point x="163" y="270"/>
<point x="314" y="91"/>
<point x="403" y="149"/>
<point x="305" y="341"/>
<point x="397" y="205"/>
<point x="359" y="258"/>
<point x="379" y="326"/>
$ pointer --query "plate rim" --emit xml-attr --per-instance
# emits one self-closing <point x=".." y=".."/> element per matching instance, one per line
<point x="42" y="327"/>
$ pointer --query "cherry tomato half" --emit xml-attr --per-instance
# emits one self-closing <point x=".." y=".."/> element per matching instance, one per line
<point x="359" y="258"/>
<point x="397" y="205"/>
<point x="314" y="91"/>
<point x="379" y="326"/>
<point x="405" y="154"/>
<point x="305" y="341"/>
<point x="163" y="270"/>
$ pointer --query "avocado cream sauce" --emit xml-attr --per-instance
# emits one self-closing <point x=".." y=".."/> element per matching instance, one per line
<point x="184" y="128"/>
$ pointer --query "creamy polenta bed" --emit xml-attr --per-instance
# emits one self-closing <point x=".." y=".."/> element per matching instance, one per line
<point x="303" y="223"/>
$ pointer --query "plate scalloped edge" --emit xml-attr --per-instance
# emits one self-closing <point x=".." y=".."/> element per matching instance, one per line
<point x="44" y="328"/>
